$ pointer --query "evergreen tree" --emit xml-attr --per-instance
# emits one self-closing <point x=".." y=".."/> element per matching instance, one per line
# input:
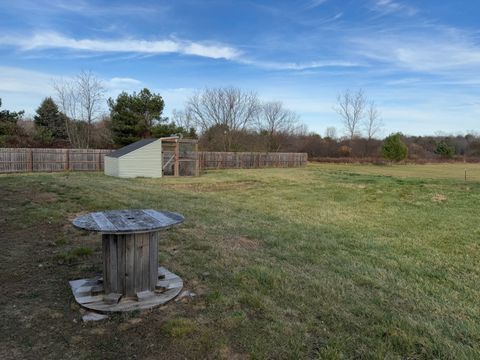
<point x="135" y="116"/>
<point x="8" y="125"/>
<point x="394" y="148"/>
<point x="49" y="120"/>
<point x="444" y="150"/>
<point x="165" y="130"/>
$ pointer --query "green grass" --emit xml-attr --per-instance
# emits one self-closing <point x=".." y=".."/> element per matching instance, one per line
<point x="73" y="254"/>
<point x="179" y="327"/>
<point x="327" y="261"/>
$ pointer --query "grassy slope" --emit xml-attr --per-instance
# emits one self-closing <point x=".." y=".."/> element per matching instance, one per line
<point x="328" y="261"/>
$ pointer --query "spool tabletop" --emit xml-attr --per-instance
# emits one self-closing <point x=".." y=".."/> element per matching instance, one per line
<point x="128" y="221"/>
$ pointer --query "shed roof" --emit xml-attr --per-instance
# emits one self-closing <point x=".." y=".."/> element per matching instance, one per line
<point x="131" y="147"/>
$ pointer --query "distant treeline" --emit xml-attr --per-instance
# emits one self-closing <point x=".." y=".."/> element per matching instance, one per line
<point x="419" y="148"/>
<point x="223" y="119"/>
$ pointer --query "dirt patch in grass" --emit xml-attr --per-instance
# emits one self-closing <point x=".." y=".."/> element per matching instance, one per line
<point x="43" y="197"/>
<point x="241" y="243"/>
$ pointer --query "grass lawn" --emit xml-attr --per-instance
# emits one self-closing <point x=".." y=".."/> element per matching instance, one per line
<point x="327" y="261"/>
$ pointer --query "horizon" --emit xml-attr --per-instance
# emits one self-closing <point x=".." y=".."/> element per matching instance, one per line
<point x="419" y="61"/>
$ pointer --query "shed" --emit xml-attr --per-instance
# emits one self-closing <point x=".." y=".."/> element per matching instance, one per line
<point x="154" y="158"/>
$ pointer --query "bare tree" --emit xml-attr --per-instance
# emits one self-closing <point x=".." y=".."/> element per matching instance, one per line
<point x="373" y="123"/>
<point x="90" y="94"/>
<point x="183" y="119"/>
<point x="80" y="100"/>
<point x="331" y="132"/>
<point x="351" y="108"/>
<point x="68" y="106"/>
<point x="229" y="109"/>
<point x="300" y="129"/>
<point x="276" y="121"/>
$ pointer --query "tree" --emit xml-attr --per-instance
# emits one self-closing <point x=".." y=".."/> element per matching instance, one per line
<point x="81" y="100"/>
<point x="444" y="150"/>
<point x="351" y="108"/>
<point x="274" y="121"/>
<point x="373" y="123"/>
<point x="50" y="119"/>
<point x="90" y="94"/>
<point x="182" y="119"/>
<point x="135" y="116"/>
<point x="8" y="125"/>
<point x="165" y="130"/>
<point x="394" y="148"/>
<point x="230" y="108"/>
<point x="331" y="133"/>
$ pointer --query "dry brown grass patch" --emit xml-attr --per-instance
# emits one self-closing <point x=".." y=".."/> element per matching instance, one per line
<point x="214" y="187"/>
<point x="241" y="243"/>
<point x="43" y="197"/>
<point x="439" y="198"/>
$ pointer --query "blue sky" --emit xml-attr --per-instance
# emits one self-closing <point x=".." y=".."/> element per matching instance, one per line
<point x="419" y="60"/>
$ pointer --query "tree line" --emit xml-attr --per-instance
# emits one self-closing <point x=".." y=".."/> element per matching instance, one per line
<point x="223" y="119"/>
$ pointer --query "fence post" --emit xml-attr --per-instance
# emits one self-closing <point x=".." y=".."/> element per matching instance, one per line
<point x="30" y="161"/>
<point x="99" y="160"/>
<point x="197" y="162"/>
<point x="176" y="167"/>
<point x="67" y="160"/>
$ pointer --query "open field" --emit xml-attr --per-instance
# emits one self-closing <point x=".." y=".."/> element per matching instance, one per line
<point x="327" y="261"/>
<point x="454" y="171"/>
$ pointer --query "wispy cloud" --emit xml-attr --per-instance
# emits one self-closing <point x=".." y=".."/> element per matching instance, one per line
<point x="52" y="40"/>
<point x="391" y="6"/>
<point x="272" y="65"/>
<point x="451" y="50"/>
<point x="14" y="80"/>
<point x="116" y="85"/>
<point x="86" y="8"/>
<point x="314" y="3"/>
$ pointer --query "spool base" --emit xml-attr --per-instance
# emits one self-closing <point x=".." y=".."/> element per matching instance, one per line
<point x="90" y="295"/>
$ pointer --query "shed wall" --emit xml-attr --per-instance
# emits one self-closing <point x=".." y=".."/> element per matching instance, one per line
<point x="111" y="166"/>
<point x="143" y="162"/>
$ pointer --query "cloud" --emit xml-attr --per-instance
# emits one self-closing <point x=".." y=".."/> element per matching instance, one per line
<point x="272" y="65"/>
<point x="25" y="81"/>
<point x="315" y="3"/>
<point x="52" y="40"/>
<point x="391" y="6"/>
<point x="419" y="52"/>
<point x="116" y="85"/>
<point x="124" y="81"/>
<point x="87" y="9"/>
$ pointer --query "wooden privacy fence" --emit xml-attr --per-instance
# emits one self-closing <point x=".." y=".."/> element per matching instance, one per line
<point x="248" y="160"/>
<point x="21" y="159"/>
<point x="34" y="159"/>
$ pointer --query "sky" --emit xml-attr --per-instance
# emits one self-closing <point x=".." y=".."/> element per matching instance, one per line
<point x="418" y="60"/>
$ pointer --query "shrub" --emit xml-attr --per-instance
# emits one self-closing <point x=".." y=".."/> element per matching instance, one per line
<point x="394" y="148"/>
<point x="344" y="150"/>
